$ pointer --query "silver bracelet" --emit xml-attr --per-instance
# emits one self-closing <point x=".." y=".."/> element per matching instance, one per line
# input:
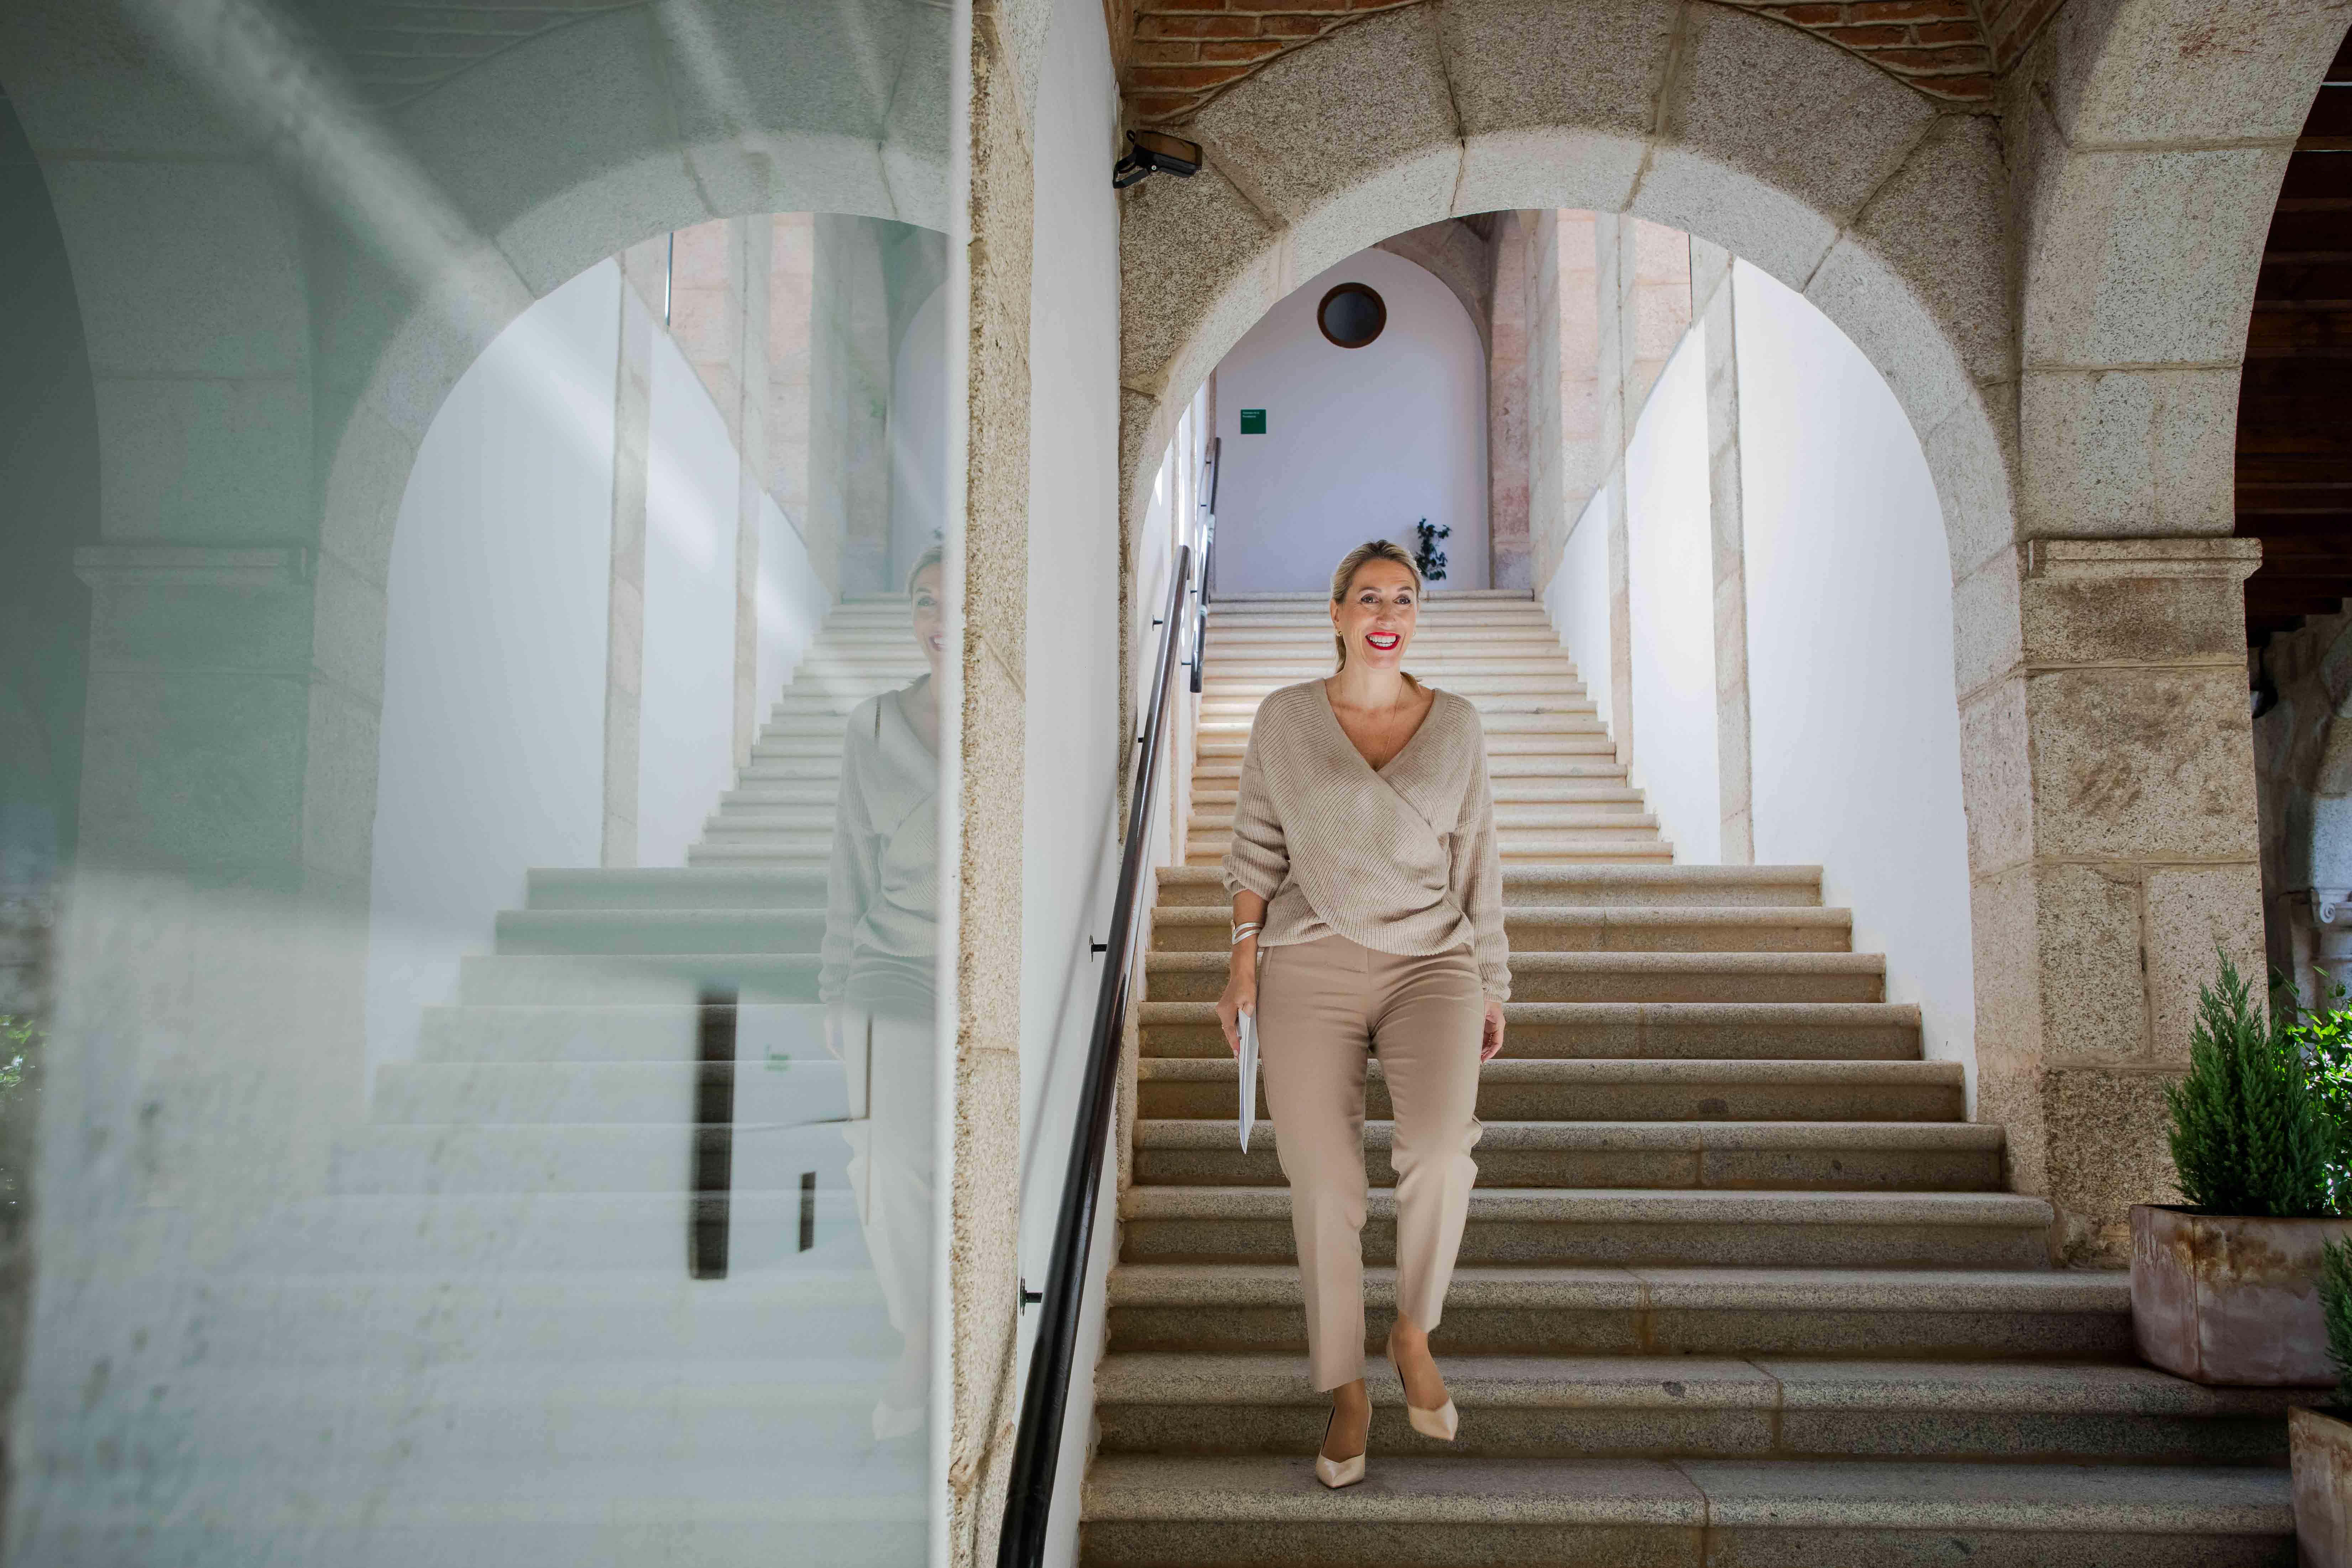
<point x="1241" y="931"/>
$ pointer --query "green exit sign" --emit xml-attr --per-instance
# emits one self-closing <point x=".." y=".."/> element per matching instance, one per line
<point x="1252" y="421"/>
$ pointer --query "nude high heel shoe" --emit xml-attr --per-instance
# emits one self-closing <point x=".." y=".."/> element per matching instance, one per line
<point x="1442" y="1423"/>
<point x="1337" y="1473"/>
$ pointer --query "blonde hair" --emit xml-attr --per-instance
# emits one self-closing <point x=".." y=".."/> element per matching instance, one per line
<point x="1343" y="577"/>
<point x="936" y="556"/>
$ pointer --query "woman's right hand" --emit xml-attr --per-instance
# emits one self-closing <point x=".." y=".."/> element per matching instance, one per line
<point x="1241" y="992"/>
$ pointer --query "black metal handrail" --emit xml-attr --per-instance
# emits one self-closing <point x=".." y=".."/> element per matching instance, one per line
<point x="1036" y="1450"/>
<point x="1207" y="528"/>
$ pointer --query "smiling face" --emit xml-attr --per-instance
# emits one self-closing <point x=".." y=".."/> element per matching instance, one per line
<point x="931" y="618"/>
<point x="1374" y="619"/>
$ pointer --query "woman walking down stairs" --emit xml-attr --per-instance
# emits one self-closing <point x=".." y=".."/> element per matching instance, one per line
<point x="1739" y="1285"/>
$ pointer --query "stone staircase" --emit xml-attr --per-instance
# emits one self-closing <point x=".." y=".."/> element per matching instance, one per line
<point x="1739" y="1285"/>
<point x="483" y="1347"/>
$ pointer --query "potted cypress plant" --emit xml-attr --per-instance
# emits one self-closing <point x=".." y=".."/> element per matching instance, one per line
<point x="2320" y="1438"/>
<point x="2225" y="1288"/>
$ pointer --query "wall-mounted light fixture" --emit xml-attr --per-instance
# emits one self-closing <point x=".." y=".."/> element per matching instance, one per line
<point x="1152" y="153"/>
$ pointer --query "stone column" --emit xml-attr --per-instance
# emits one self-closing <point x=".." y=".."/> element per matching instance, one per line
<point x="2110" y="790"/>
<point x="1506" y="410"/>
<point x="984" y="1212"/>
<point x="1612" y="275"/>
<point x="1710" y="267"/>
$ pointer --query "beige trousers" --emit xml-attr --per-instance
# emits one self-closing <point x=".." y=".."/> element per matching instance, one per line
<point x="1322" y="1008"/>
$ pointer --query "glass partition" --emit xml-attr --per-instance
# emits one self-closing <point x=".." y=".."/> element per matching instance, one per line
<point x="469" y="892"/>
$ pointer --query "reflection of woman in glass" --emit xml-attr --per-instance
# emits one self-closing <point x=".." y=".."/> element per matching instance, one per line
<point x="881" y="926"/>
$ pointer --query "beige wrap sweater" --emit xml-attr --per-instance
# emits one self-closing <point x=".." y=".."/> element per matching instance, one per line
<point x="1401" y="859"/>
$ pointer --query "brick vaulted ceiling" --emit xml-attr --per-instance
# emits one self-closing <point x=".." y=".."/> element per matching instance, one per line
<point x="1183" y="53"/>
<point x="2295" y="395"/>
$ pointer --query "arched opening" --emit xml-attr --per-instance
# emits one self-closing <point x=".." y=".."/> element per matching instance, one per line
<point x="1732" y="533"/>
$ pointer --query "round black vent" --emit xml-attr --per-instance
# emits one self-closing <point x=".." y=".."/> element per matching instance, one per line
<point x="1351" y="315"/>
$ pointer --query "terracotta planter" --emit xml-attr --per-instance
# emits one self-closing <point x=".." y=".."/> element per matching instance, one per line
<point x="2321" y="1441"/>
<point x="2226" y="1299"/>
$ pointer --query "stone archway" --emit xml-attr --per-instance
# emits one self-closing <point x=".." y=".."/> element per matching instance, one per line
<point x="2105" y="753"/>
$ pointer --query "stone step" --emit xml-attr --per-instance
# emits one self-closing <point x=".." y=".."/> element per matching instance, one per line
<point x="1702" y="1407"/>
<point x="631" y="1033"/>
<point x="1611" y="976"/>
<point x="1524" y="724"/>
<point x="1819" y="1031"/>
<point x="660" y="1093"/>
<point x="1221" y="769"/>
<point x="1601" y="1090"/>
<point x="1632" y="844"/>
<point x="1559" y="746"/>
<point x="1237" y="662"/>
<point x="2019" y="1315"/>
<point x="1213" y="796"/>
<point x="673" y="978"/>
<point x="1219" y="1511"/>
<point x="1537" y="928"/>
<point x="674" y="888"/>
<point x="648" y="932"/>
<point x="1830" y="1156"/>
<point x="1524" y="847"/>
<point x="1464" y="622"/>
<point x="1598" y="886"/>
<point x="1584" y="1226"/>
<point x="1556" y="821"/>
<point x="1237" y="701"/>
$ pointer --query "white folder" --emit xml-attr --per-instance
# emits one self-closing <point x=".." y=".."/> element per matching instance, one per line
<point x="1249" y="1077"/>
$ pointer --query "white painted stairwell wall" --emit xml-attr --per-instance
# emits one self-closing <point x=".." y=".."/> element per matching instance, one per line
<point x="1358" y="442"/>
<point x="1855" y="726"/>
<point x="1670" y="586"/>
<point x="1577" y="597"/>
<point x="1856" y="722"/>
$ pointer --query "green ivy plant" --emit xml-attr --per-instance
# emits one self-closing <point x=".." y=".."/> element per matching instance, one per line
<point x="2251" y="1131"/>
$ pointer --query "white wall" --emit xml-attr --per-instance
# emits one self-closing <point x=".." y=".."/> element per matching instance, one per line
<point x="1577" y="598"/>
<point x="1360" y="443"/>
<point x="1074" y="751"/>
<point x="490" y="759"/>
<point x="685" y="756"/>
<point x="1854" y="721"/>
<point x="1670" y="589"/>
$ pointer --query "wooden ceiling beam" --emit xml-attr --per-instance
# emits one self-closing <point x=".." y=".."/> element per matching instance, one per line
<point x="2293" y="525"/>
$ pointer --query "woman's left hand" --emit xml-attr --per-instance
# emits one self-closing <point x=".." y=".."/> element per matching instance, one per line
<point x="1490" y="1042"/>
